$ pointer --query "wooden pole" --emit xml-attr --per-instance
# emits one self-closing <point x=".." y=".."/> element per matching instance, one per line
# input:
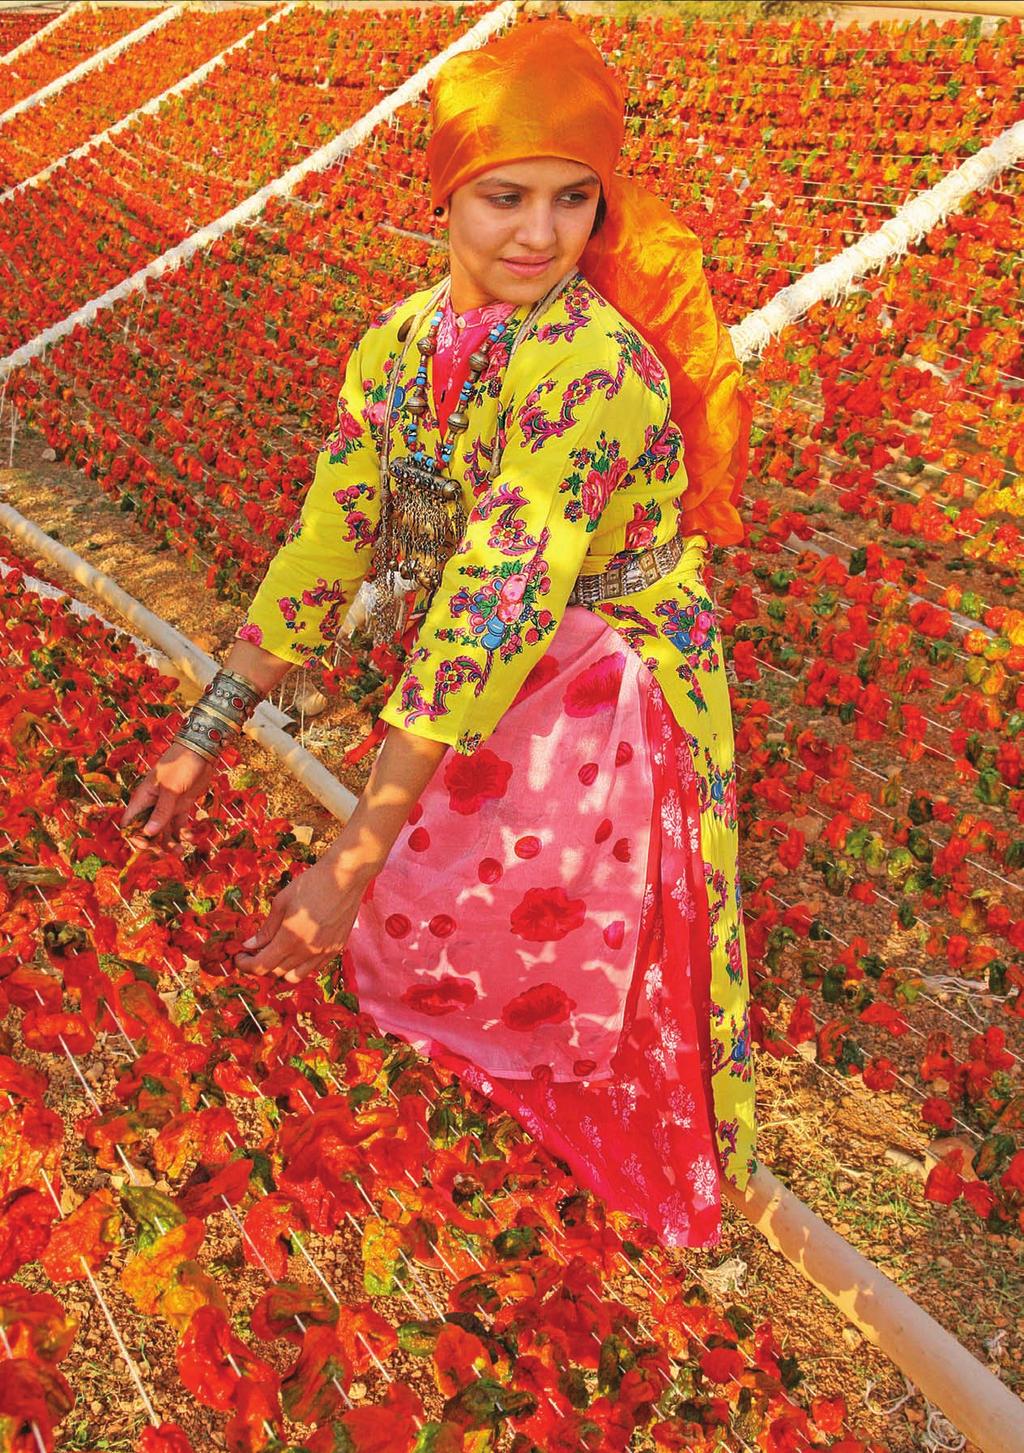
<point x="972" y="1398"/>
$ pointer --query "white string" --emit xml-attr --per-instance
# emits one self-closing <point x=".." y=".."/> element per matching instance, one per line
<point x="131" y="1169"/>
<point x="42" y="34"/>
<point x="799" y="397"/>
<point x="877" y="477"/>
<point x="181" y="984"/>
<point x="8" y="1352"/>
<point x="878" y="811"/>
<point x="132" y="1175"/>
<point x="962" y="622"/>
<point x="84" y="612"/>
<point x="916" y="217"/>
<point x="910" y="33"/>
<point x="121" y="1347"/>
<point x="969" y="986"/>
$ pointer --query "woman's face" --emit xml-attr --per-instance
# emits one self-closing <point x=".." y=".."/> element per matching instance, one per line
<point x="537" y="211"/>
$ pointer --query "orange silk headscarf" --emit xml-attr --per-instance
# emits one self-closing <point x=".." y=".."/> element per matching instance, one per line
<point x="543" y="89"/>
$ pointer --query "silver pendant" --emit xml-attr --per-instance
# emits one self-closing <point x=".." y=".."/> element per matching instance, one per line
<point x="410" y="472"/>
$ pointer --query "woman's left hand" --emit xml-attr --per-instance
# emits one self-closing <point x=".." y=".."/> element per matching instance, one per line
<point x="308" y="924"/>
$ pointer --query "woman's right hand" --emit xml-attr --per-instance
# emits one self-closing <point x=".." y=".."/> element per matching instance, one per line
<point x="170" y="788"/>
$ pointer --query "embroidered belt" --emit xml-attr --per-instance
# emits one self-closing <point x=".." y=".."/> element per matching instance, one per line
<point x="645" y="568"/>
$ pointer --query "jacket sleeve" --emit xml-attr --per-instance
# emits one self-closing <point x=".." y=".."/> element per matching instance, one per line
<point x="296" y="612"/>
<point x="571" y="443"/>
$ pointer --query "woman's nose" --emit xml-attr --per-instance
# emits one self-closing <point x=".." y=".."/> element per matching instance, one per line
<point x="536" y="229"/>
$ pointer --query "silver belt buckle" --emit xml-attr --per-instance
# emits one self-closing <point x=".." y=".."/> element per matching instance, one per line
<point x="640" y="572"/>
<point x="631" y="580"/>
<point x="644" y="569"/>
<point x="650" y="566"/>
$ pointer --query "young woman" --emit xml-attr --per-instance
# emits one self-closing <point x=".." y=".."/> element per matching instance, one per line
<point x="538" y="886"/>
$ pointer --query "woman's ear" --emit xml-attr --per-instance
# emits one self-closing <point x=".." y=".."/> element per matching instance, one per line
<point x="441" y="213"/>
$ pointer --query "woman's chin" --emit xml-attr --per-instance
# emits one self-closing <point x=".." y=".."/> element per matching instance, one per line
<point x="500" y="284"/>
<point x="509" y="286"/>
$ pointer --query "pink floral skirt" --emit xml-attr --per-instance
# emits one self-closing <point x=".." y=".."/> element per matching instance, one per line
<point x="540" y="929"/>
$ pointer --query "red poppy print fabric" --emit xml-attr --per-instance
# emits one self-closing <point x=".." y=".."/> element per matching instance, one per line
<point x="541" y="928"/>
<point x="520" y="859"/>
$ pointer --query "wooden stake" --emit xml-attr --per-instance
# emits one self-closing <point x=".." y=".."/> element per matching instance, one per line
<point x="972" y="1397"/>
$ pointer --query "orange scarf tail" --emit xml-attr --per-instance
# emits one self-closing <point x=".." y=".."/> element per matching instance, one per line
<point x="649" y="265"/>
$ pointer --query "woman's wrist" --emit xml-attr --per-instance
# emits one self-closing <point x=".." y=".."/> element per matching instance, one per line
<point x="262" y="668"/>
<point x="355" y="861"/>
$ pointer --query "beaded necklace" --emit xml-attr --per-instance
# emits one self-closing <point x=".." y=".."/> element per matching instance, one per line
<point x="424" y="531"/>
<point x="423" y="517"/>
<point x="458" y="417"/>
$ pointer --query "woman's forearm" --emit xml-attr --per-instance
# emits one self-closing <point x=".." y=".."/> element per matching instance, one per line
<point x="404" y="766"/>
<point x="263" y="669"/>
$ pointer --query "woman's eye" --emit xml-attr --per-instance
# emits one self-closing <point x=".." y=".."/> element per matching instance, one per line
<point x="574" y="198"/>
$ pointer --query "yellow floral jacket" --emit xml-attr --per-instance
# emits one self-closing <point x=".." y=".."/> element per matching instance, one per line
<point x="591" y="469"/>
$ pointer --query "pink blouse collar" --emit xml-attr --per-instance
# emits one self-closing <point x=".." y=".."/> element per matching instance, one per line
<point x="483" y="318"/>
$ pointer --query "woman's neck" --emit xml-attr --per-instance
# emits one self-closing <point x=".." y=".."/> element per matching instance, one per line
<point x="463" y="298"/>
<point x="466" y="293"/>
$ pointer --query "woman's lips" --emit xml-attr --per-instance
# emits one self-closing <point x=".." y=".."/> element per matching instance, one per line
<point x="527" y="269"/>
